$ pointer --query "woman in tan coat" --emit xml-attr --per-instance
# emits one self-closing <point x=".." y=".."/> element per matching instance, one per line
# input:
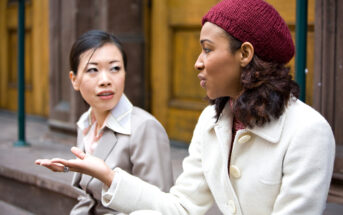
<point x="112" y="130"/>
<point x="257" y="150"/>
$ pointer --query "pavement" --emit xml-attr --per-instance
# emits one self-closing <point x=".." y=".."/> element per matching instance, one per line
<point x="18" y="162"/>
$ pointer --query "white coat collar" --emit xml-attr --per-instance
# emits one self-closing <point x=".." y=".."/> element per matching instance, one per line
<point x="270" y="131"/>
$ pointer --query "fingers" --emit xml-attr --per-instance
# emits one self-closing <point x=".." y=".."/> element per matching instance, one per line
<point x="42" y="161"/>
<point x="60" y="161"/>
<point x="72" y="164"/>
<point x="56" y="167"/>
<point x="78" y="153"/>
<point x="38" y="161"/>
<point x="58" y="164"/>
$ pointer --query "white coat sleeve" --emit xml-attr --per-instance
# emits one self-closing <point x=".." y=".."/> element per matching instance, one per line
<point x="190" y="194"/>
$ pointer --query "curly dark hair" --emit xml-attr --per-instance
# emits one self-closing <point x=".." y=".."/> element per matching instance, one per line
<point x="267" y="88"/>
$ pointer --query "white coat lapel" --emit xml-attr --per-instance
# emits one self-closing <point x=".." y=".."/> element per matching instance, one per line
<point x="217" y="142"/>
<point x="223" y="129"/>
<point x="223" y="134"/>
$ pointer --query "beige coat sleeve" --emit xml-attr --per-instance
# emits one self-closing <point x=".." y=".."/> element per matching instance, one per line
<point x="150" y="155"/>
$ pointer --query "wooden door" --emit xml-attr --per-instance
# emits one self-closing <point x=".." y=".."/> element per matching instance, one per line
<point x="329" y="80"/>
<point x="36" y="56"/>
<point x="177" y="98"/>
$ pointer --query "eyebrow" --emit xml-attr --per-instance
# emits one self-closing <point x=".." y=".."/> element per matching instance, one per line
<point x="95" y="63"/>
<point x="205" y="40"/>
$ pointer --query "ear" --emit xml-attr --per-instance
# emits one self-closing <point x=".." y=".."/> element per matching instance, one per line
<point x="247" y="53"/>
<point x="73" y="80"/>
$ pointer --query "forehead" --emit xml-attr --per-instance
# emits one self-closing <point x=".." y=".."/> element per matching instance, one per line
<point x="108" y="51"/>
<point x="212" y="32"/>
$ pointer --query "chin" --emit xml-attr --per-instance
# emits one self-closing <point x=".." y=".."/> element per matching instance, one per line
<point x="211" y="96"/>
<point x="106" y="108"/>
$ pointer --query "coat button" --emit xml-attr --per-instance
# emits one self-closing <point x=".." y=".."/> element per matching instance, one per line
<point x="235" y="171"/>
<point x="244" y="138"/>
<point x="231" y="206"/>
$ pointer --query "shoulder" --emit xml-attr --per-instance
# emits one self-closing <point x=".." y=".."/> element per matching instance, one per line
<point x="302" y="115"/>
<point x="208" y="115"/>
<point x="206" y="121"/>
<point x="305" y="123"/>
<point x="140" y="117"/>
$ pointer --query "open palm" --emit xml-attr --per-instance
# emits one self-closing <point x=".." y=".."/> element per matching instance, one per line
<point x="84" y="163"/>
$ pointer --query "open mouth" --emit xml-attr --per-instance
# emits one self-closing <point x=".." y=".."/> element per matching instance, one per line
<point x="203" y="83"/>
<point x="106" y="95"/>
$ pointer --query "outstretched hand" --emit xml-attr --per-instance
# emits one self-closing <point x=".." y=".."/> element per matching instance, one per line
<point x="84" y="163"/>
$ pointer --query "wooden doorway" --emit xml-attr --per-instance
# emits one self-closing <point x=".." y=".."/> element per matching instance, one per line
<point x="36" y="56"/>
<point x="177" y="99"/>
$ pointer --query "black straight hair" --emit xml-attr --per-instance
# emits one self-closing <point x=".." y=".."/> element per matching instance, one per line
<point x="92" y="39"/>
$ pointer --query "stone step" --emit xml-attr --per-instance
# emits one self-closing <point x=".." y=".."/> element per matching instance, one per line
<point x="33" y="188"/>
<point x="7" y="209"/>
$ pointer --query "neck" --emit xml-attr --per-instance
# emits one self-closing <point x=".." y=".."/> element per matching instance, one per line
<point x="100" y="117"/>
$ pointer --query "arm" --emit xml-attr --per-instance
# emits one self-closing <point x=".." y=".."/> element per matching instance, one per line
<point x="190" y="194"/>
<point x="307" y="171"/>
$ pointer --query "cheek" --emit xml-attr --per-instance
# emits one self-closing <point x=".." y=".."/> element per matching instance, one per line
<point x="86" y="89"/>
<point x="120" y="83"/>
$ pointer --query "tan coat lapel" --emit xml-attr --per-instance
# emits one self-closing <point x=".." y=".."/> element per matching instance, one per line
<point x="105" y="146"/>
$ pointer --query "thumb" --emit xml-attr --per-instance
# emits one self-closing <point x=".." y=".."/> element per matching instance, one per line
<point x="78" y="152"/>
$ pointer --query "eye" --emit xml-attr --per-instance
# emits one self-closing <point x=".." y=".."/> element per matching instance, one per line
<point x="90" y="70"/>
<point x="115" y="68"/>
<point x="206" y="50"/>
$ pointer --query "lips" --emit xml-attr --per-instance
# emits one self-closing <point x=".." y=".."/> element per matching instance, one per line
<point x="202" y="81"/>
<point x="105" y="95"/>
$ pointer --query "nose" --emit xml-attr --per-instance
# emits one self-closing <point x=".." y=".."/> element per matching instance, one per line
<point x="104" y="79"/>
<point x="199" y="64"/>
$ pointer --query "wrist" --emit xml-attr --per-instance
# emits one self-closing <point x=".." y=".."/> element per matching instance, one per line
<point x="108" y="177"/>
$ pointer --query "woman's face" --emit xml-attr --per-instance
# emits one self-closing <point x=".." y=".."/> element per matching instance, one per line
<point x="100" y="77"/>
<point x="219" y="69"/>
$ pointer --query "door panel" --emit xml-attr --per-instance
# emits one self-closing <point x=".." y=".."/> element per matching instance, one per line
<point x="36" y="56"/>
<point x="177" y="98"/>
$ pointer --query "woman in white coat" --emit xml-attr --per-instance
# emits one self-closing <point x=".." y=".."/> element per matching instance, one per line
<point x="257" y="149"/>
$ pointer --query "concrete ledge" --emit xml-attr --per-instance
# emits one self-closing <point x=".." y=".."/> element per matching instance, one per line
<point x="6" y="208"/>
<point x="25" y="185"/>
<point x="33" y="188"/>
<point x="45" y="181"/>
<point x="34" y="199"/>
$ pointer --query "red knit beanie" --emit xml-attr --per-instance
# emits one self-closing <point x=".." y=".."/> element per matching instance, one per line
<point x="257" y="22"/>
